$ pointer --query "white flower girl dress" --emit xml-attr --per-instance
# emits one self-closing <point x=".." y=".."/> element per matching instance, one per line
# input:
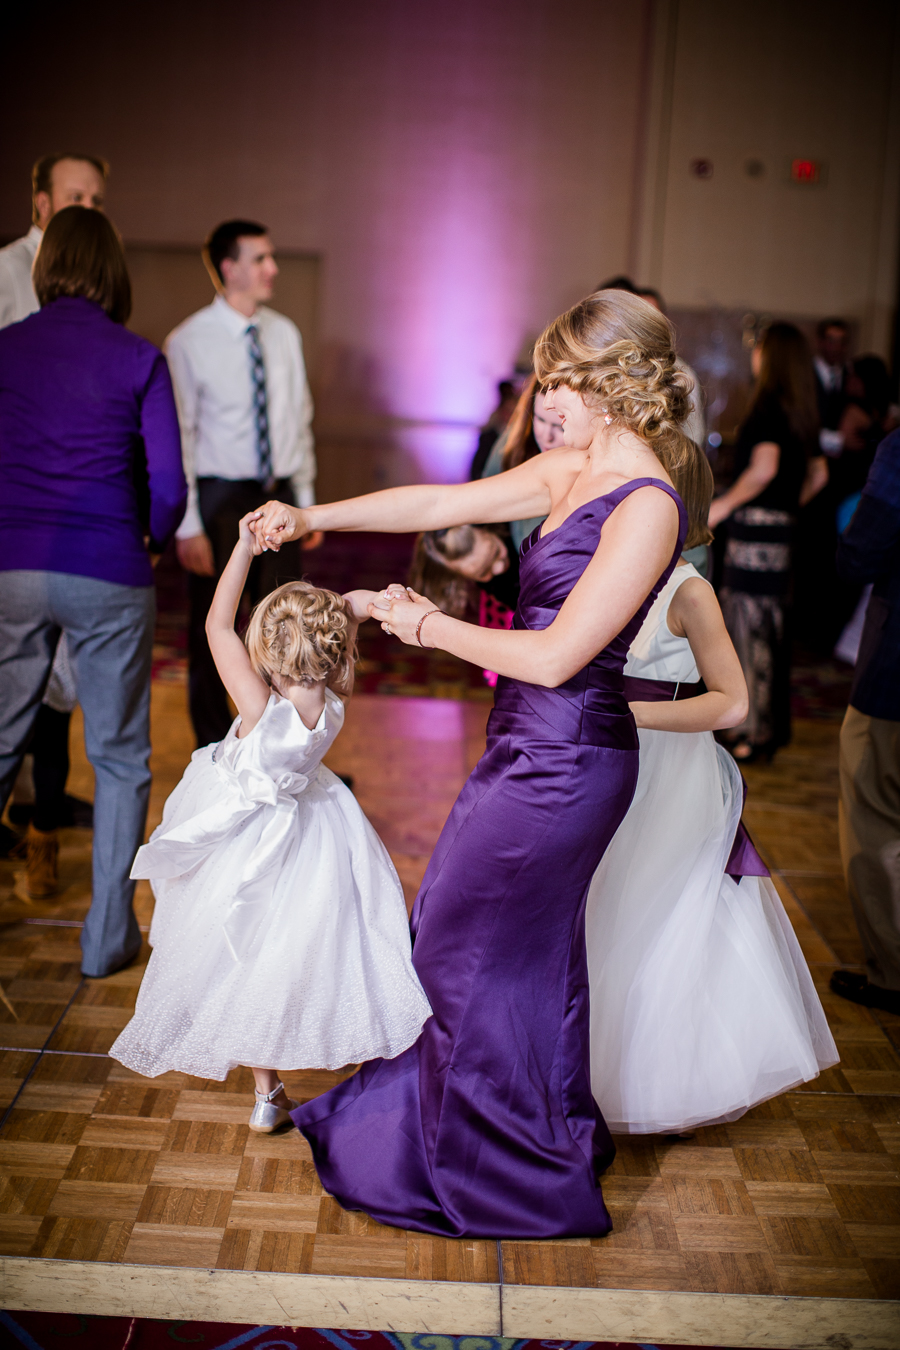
<point x="280" y="936"/>
<point x="701" y="1002"/>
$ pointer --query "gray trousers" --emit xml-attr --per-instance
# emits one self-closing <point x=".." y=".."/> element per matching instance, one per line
<point x="870" y="838"/>
<point x="110" y="635"/>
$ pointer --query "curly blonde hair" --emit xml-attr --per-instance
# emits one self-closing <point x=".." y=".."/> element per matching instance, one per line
<point x="618" y="352"/>
<point x="305" y="633"/>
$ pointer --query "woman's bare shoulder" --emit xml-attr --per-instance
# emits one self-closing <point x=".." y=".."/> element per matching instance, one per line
<point x="559" y="466"/>
<point x="562" y="458"/>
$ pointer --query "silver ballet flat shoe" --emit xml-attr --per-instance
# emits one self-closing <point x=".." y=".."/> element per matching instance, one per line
<point x="266" y="1117"/>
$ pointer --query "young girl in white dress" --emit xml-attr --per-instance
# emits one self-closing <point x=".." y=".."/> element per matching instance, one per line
<point x="701" y="1002"/>
<point x="280" y="934"/>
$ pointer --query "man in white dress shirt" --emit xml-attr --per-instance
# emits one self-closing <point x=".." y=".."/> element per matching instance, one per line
<point x="59" y="180"/>
<point x="245" y="411"/>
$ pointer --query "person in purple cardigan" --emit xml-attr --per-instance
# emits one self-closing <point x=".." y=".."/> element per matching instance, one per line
<point x="86" y="412"/>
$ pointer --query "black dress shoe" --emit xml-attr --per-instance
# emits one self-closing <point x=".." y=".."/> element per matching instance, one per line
<point x="855" y="987"/>
<point x="72" y="813"/>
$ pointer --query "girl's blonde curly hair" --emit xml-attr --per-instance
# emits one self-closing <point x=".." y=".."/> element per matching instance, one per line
<point x="618" y="352"/>
<point x="305" y="633"/>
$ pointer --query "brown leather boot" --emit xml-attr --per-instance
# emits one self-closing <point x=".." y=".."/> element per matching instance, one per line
<point x="41" y="852"/>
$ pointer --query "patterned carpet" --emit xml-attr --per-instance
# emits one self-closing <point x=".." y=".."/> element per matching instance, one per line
<point x="47" y="1331"/>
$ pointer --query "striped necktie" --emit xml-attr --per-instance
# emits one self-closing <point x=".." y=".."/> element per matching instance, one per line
<point x="260" y="409"/>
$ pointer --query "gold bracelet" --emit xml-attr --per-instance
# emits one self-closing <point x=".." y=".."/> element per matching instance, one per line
<point x="419" y="627"/>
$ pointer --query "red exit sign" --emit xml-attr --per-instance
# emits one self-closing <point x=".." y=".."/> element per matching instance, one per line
<point x="806" y="171"/>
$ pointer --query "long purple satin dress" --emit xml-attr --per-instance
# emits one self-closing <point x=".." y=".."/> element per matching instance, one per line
<point x="487" y="1127"/>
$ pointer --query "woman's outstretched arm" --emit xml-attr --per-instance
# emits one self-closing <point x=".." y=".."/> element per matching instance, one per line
<point x="519" y="494"/>
<point x="636" y="546"/>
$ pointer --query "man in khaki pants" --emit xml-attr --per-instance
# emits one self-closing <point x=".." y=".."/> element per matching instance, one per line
<point x="869" y="551"/>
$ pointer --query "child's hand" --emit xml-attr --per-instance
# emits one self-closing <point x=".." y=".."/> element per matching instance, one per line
<point x="399" y="609"/>
<point x="246" y="535"/>
<point x="359" y="602"/>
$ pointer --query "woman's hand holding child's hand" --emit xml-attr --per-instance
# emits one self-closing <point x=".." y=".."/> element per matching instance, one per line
<point x="362" y="602"/>
<point x="276" y="523"/>
<point x="398" y="609"/>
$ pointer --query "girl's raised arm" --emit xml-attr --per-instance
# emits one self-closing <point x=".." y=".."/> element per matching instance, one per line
<point x="249" y="691"/>
<point x="695" y="614"/>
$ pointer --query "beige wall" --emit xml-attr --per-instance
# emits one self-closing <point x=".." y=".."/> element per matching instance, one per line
<point x="774" y="81"/>
<point x="464" y="171"/>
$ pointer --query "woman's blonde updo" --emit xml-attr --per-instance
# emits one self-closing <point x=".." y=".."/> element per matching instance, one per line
<point x="305" y="633"/>
<point x="618" y="352"/>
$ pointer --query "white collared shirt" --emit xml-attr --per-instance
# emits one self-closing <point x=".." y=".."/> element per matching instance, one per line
<point x="209" y="358"/>
<point x="17" y="297"/>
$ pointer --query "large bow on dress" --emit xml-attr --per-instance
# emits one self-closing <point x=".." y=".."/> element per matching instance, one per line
<point x="246" y="797"/>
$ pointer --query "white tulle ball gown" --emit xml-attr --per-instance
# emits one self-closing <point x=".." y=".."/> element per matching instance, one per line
<point x="701" y="1002"/>
<point x="280" y="936"/>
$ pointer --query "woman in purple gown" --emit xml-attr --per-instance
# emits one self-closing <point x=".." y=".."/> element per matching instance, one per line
<point x="486" y="1127"/>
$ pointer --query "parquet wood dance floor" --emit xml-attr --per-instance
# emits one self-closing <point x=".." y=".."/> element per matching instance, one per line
<point x="800" y="1197"/>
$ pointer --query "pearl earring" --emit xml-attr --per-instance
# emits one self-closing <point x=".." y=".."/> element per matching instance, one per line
<point x="607" y="419"/>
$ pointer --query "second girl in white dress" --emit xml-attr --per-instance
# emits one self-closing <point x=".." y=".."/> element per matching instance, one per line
<point x="701" y="1002"/>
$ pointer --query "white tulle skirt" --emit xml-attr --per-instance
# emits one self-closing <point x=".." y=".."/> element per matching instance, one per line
<point x="701" y="1002"/>
<point x="305" y="965"/>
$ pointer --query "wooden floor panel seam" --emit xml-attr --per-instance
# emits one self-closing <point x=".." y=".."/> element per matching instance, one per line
<point x="271" y="1298"/>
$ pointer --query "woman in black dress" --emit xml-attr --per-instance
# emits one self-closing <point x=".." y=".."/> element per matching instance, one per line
<point x="779" y="469"/>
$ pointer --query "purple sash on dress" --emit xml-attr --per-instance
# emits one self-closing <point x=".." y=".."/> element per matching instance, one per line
<point x="743" y="860"/>
<point x="637" y="690"/>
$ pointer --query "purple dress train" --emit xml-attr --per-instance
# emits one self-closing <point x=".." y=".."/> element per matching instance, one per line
<point x="486" y="1127"/>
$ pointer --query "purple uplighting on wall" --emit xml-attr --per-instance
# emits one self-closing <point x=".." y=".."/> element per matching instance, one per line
<point x="485" y="184"/>
<point x="463" y="172"/>
<point x="454" y="320"/>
